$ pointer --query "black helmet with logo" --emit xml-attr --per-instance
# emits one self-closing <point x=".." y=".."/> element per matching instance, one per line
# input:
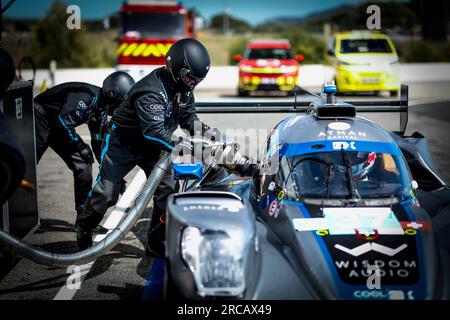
<point x="188" y="62"/>
<point x="115" y="88"/>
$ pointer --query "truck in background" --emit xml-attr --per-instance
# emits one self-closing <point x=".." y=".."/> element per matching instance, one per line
<point x="148" y="29"/>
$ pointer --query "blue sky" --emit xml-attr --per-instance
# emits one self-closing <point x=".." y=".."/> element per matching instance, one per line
<point x="253" y="11"/>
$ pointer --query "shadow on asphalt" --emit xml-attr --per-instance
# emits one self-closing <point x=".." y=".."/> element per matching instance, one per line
<point x="130" y="292"/>
<point x="103" y="264"/>
<point x="37" y="285"/>
<point x="54" y="225"/>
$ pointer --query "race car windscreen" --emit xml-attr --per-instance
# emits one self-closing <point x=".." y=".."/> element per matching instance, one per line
<point x="167" y="25"/>
<point x="268" y="53"/>
<point x="325" y="175"/>
<point x="365" y="46"/>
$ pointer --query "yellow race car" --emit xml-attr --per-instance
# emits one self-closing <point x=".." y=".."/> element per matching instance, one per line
<point x="364" y="61"/>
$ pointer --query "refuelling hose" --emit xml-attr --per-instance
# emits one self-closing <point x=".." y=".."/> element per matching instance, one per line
<point x="42" y="257"/>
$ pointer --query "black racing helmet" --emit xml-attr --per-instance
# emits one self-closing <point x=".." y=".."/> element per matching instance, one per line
<point x="115" y="88"/>
<point x="188" y="62"/>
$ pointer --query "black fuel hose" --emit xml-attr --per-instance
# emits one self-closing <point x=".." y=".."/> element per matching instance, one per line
<point x="42" y="257"/>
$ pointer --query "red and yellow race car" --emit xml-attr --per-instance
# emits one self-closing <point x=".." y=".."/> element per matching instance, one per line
<point x="268" y="66"/>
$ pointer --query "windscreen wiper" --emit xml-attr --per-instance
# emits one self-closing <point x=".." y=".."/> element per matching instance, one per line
<point x="354" y="195"/>
<point x="327" y="181"/>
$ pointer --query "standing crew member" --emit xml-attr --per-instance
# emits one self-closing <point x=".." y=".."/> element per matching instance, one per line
<point x="62" y="108"/>
<point x="142" y="128"/>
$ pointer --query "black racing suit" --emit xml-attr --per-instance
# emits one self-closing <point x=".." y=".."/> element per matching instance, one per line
<point x="59" y="111"/>
<point x="142" y="128"/>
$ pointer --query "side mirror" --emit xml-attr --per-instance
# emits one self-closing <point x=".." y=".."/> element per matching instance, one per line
<point x="330" y="52"/>
<point x="414" y="185"/>
<point x="237" y="57"/>
<point x="299" y="57"/>
<point x="187" y="170"/>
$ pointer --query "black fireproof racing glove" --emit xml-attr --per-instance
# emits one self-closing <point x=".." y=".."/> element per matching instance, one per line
<point x="185" y="147"/>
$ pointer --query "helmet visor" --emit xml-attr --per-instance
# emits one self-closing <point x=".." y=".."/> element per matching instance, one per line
<point x="188" y="79"/>
<point x="361" y="164"/>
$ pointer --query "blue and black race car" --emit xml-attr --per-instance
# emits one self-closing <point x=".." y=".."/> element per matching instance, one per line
<point x="337" y="208"/>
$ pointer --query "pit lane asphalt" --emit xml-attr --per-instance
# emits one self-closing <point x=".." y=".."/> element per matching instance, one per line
<point x="121" y="273"/>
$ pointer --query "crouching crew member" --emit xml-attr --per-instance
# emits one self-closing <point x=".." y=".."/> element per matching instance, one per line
<point x="61" y="109"/>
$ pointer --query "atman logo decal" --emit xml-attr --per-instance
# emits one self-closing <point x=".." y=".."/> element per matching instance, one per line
<point x="342" y="134"/>
<point x="143" y="49"/>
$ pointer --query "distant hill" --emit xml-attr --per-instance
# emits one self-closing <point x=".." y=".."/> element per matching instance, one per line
<point x="19" y="24"/>
<point x="353" y="16"/>
<point x="316" y="16"/>
<point x="235" y="24"/>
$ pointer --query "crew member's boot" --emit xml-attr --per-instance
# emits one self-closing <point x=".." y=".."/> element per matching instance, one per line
<point x="84" y="237"/>
<point x="156" y="236"/>
<point x="98" y="229"/>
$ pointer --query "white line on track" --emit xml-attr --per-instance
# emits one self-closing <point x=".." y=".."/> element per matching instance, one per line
<point x="85" y="137"/>
<point x="68" y="291"/>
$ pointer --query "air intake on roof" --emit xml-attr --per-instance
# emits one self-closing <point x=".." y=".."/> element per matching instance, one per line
<point x="335" y="111"/>
<point x="328" y="108"/>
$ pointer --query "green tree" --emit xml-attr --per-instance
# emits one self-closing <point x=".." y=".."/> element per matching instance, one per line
<point x="236" y="25"/>
<point x="350" y="17"/>
<point x="52" y="40"/>
<point x="237" y="47"/>
<point x="269" y="27"/>
<point x="310" y="46"/>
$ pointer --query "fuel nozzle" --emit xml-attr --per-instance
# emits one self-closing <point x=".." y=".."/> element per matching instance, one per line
<point x="243" y="165"/>
<point x="229" y="157"/>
